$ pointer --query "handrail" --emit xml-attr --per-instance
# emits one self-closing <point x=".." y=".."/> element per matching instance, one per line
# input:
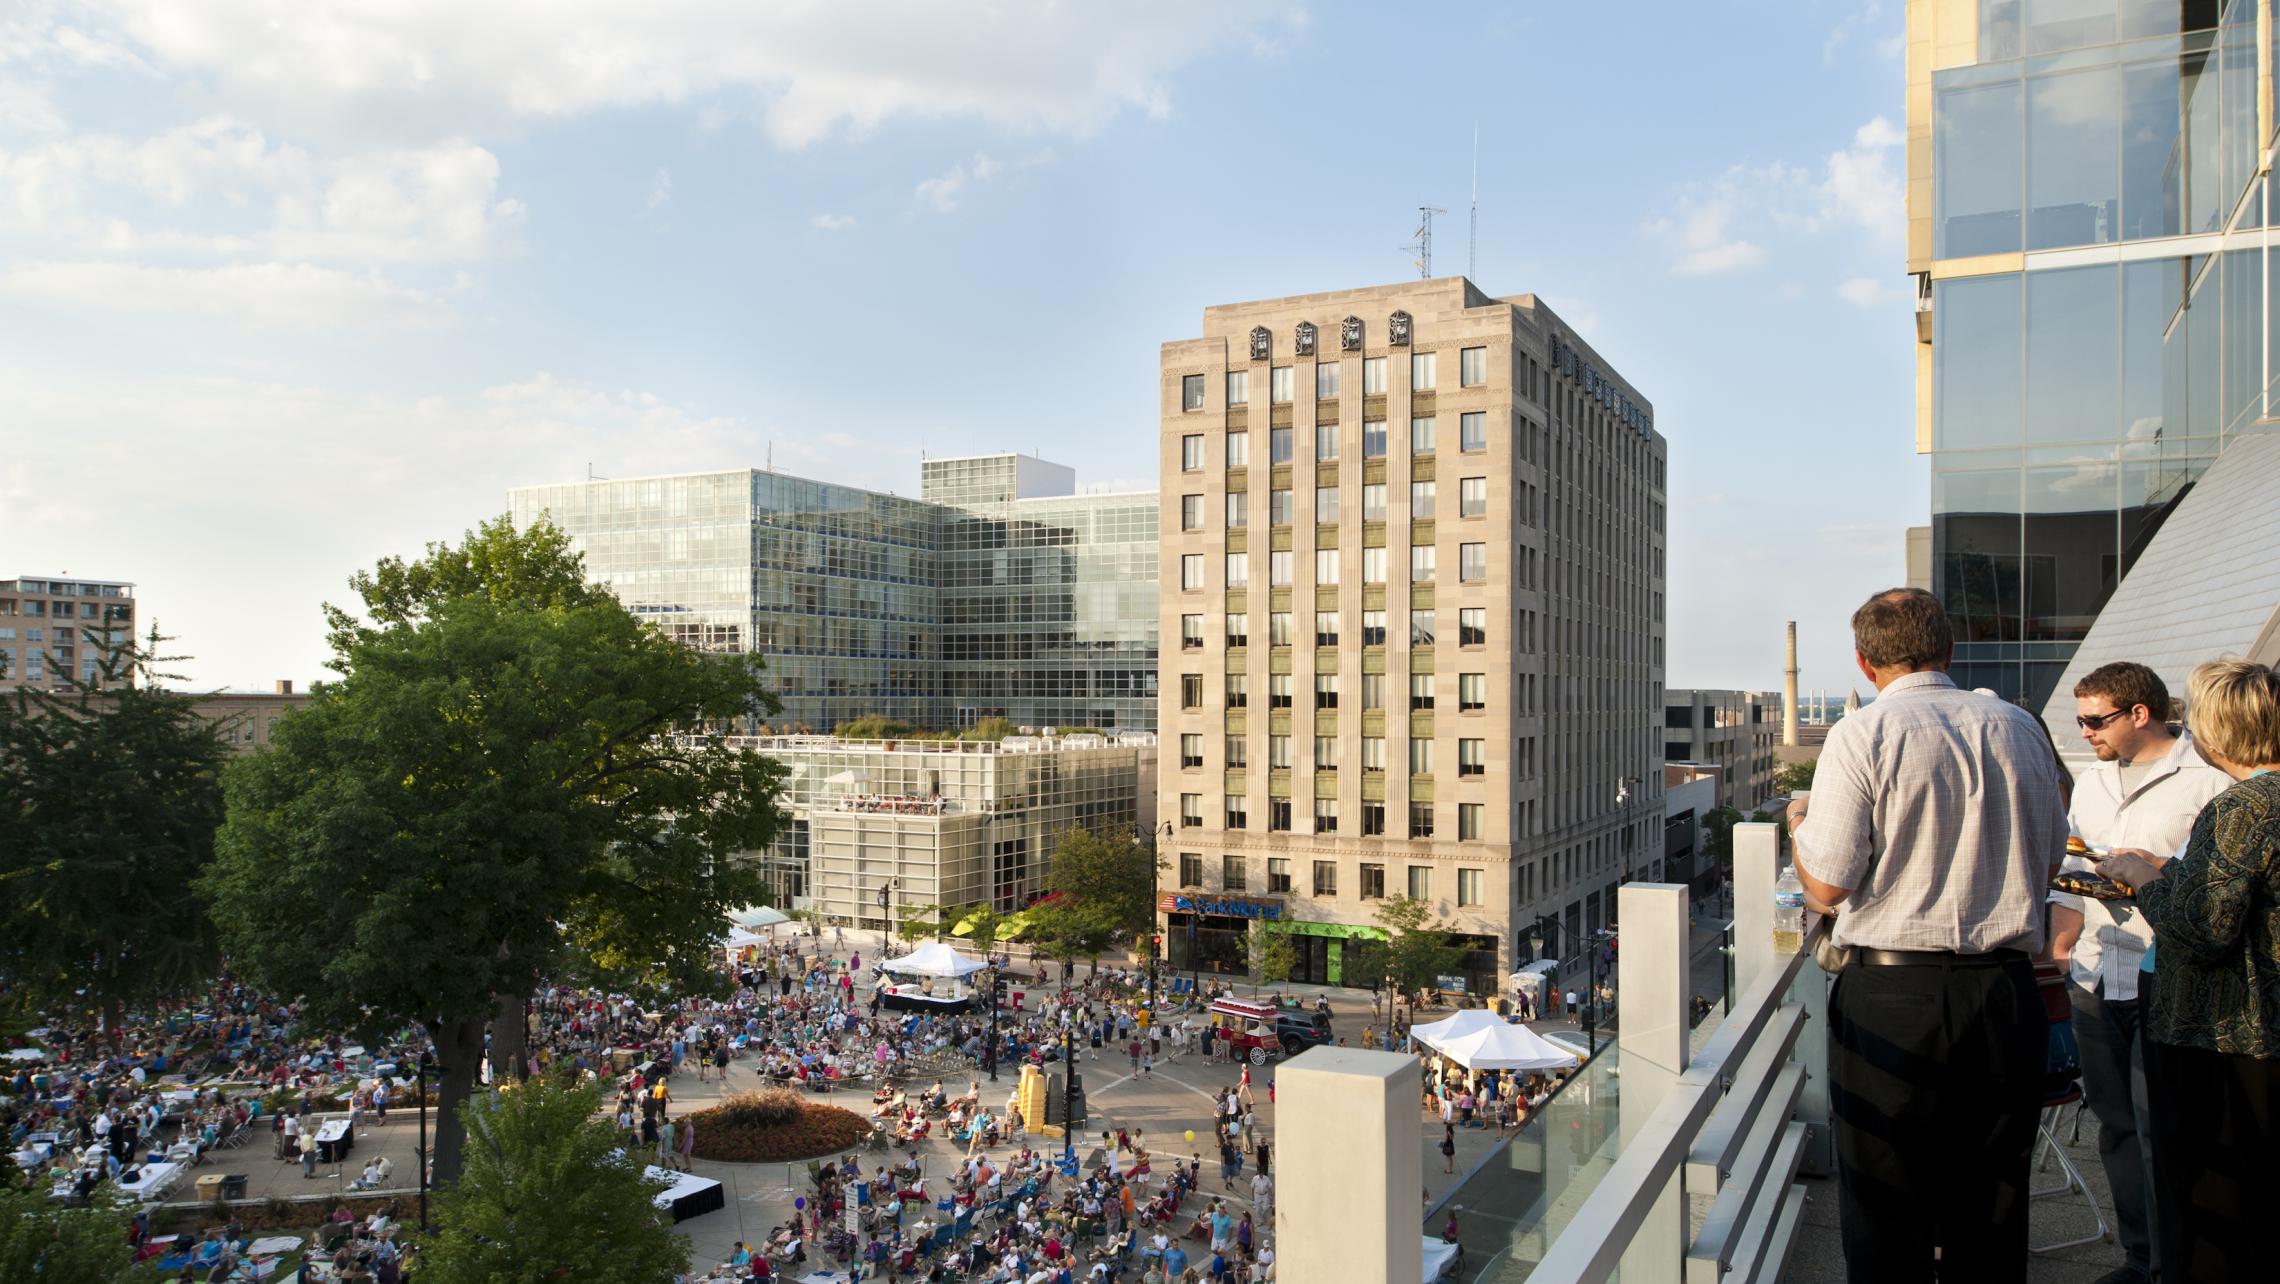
<point x="1717" y="1114"/>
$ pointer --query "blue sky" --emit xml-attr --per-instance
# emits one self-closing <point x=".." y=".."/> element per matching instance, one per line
<point x="288" y="285"/>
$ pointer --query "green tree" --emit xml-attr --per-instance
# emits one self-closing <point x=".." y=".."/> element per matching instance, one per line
<point x="878" y="727"/>
<point x="1417" y="948"/>
<point x="110" y="795"/>
<point x="53" y="1243"/>
<point x="1104" y="883"/>
<point x="543" y="1198"/>
<point x="1795" y="777"/>
<point x="1720" y="822"/>
<point x="988" y="730"/>
<point x="1274" y="954"/>
<point x="534" y="567"/>
<point x="492" y="777"/>
<point x="928" y="920"/>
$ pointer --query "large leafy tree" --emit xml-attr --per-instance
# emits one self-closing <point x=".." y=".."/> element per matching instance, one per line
<point x="43" y="1241"/>
<point x="1102" y="884"/>
<point x="548" y="1194"/>
<point x="494" y="774"/>
<point x="110" y="794"/>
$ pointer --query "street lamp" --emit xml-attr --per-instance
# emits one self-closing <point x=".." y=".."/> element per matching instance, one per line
<point x="1155" y="872"/>
<point x="1630" y="833"/>
<point x="1545" y="924"/>
<point x="989" y="1042"/>
<point x="886" y="890"/>
<point x="426" y="1066"/>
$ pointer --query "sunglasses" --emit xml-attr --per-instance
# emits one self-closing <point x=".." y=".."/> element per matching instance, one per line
<point x="2097" y="721"/>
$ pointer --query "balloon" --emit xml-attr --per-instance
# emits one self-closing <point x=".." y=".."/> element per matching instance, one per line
<point x="800" y="1204"/>
<point x="1191" y="1134"/>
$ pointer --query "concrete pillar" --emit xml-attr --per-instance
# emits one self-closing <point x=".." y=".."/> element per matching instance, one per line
<point x="1757" y="867"/>
<point x="1654" y="963"/>
<point x="1349" y="1167"/>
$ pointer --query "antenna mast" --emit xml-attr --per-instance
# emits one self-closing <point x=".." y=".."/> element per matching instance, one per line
<point x="1472" y="233"/>
<point x="1422" y="247"/>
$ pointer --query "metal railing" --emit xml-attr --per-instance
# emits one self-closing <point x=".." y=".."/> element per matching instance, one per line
<point x="1735" y="1124"/>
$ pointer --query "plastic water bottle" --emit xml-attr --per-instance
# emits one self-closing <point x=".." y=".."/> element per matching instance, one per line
<point x="1788" y="912"/>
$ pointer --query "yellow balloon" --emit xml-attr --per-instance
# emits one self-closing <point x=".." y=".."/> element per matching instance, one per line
<point x="1191" y="1134"/>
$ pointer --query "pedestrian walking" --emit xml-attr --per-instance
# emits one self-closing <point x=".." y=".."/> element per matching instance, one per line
<point x="1448" y="1148"/>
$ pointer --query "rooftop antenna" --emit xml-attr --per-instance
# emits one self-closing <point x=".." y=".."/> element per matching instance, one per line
<point x="1423" y="248"/>
<point x="1472" y="233"/>
<point x="591" y="475"/>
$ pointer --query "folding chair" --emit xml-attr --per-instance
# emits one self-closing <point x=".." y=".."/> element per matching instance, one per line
<point x="2064" y="1088"/>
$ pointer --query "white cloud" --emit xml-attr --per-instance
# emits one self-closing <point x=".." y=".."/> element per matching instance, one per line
<point x="436" y="202"/>
<point x="1862" y="291"/>
<point x="257" y="294"/>
<point x="1851" y="24"/>
<point x="941" y="192"/>
<point x="660" y="191"/>
<point x="1723" y="224"/>
<point x="417" y="68"/>
<point x="832" y="222"/>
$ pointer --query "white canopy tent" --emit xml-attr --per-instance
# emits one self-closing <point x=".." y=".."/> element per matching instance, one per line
<point x="754" y="917"/>
<point x="933" y="959"/>
<point x="1466" y="1021"/>
<point x="1499" y="1046"/>
<point x="738" y="939"/>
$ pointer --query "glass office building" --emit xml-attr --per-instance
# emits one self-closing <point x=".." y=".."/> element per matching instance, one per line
<point x="2093" y="274"/>
<point x="1049" y="597"/>
<point x="855" y="597"/>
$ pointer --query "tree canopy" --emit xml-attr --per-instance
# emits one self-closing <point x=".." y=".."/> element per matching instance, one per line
<point x="1417" y="948"/>
<point x="1102" y="884"/>
<point x="548" y="1194"/>
<point x="1795" y="777"/>
<point x="110" y="795"/>
<point x="494" y="775"/>
<point x="47" y="1241"/>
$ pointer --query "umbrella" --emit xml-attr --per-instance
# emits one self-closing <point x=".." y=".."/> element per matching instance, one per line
<point x="757" y="916"/>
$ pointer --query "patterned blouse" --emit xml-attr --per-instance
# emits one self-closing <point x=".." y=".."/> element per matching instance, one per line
<point x="2216" y="919"/>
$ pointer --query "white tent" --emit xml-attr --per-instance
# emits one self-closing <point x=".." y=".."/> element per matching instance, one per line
<point x="1438" y="1256"/>
<point x="1503" y="1047"/>
<point x="933" y="959"/>
<point x="738" y="938"/>
<point x="1466" y="1021"/>
<point x="752" y="917"/>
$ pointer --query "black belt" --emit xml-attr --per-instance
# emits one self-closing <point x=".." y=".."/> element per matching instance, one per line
<point x="1935" y="958"/>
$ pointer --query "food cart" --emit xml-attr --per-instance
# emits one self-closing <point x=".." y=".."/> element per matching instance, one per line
<point x="1248" y="1028"/>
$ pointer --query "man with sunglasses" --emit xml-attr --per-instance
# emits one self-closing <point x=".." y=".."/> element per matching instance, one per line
<point x="2144" y="792"/>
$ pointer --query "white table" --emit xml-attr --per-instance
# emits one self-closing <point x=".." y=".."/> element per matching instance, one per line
<point x="153" y="1182"/>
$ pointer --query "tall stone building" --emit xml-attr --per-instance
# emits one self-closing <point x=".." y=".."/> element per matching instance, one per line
<point x="1412" y="623"/>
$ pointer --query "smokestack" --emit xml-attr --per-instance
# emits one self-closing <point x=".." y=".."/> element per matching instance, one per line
<point x="1789" y="691"/>
<point x="284" y="686"/>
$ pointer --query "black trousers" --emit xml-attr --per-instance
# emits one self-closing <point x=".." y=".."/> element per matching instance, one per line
<point x="2216" y="1162"/>
<point x="1935" y="1086"/>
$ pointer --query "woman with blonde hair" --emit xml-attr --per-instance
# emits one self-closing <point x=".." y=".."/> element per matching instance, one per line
<point x="2212" y="1024"/>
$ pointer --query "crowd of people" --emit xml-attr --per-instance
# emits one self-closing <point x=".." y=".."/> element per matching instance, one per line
<point x="1937" y="821"/>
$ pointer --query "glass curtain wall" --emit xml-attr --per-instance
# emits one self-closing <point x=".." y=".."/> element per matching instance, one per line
<point x="2074" y="404"/>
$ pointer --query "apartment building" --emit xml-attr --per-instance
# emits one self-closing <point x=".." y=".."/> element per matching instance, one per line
<point x="54" y="629"/>
<point x="1736" y="731"/>
<point x="1412" y="618"/>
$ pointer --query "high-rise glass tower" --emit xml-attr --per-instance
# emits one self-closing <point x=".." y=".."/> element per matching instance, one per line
<point x="2087" y="226"/>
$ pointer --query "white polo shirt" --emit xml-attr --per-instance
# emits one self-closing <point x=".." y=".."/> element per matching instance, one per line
<point x="2155" y="816"/>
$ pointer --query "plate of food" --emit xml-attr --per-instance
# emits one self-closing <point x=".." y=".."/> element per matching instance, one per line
<point x="2095" y="886"/>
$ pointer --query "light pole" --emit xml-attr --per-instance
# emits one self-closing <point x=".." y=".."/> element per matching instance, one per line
<point x="1155" y="872"/>
<point x="989" y="1043"/>
<point x="1630" y="834"/>
<point x="1068" y="1093"/>
<point x="1545" y="924"/>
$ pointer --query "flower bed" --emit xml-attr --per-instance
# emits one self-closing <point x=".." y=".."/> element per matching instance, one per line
<point x="775" y="1126"/>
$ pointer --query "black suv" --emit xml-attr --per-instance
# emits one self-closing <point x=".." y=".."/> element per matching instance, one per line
<point x="1299" y="1031"/>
